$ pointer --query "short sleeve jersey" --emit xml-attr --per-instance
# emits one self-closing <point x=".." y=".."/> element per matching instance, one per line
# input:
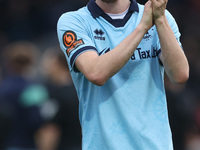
<point x="129" y="112"/>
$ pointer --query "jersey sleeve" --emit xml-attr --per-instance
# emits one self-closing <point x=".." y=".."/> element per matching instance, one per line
<point x="174" y="28"/>
<point x="73" y="37"/>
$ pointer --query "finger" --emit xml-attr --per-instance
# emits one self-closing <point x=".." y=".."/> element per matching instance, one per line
<point x="165" y="1"/>
<point x="148" y="3"/>
<point x="159" y="1"/>
<point x="155" y="2"/>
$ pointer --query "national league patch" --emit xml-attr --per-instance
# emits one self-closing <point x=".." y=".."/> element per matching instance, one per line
<point x="70" y="41"/>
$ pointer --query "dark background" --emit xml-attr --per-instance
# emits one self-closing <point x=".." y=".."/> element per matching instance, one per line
<point x="35" y="21"/>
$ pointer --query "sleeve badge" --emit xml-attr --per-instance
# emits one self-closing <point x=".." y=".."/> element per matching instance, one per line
<point x="70" y="41"/>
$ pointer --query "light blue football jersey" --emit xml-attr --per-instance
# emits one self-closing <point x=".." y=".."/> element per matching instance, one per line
<point x="129" y="112"/>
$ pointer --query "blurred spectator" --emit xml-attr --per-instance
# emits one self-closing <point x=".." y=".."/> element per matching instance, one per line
<point x="0" y="74"/>
<point x="178" y="112"/>
<point x="36" y="21"/>
<point x="4" y="123"/>
<point x="62" y="129"/>
<point x="20" y="98"/>
<point x="183" y="100"/>
<point x="192" y="45"/>
<point x="27" y="19"/>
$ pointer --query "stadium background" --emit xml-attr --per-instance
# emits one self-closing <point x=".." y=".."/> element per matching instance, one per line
<point x="35" y="22"/>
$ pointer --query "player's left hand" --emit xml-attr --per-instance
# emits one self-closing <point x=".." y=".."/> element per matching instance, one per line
<point x="159" y="7"/>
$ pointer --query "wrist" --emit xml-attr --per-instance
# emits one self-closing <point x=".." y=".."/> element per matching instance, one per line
<point x="160" y="21"/>
<point x="143" y="28"/>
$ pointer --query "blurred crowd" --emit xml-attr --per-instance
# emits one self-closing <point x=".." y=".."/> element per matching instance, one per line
<point x="38" y="102"/>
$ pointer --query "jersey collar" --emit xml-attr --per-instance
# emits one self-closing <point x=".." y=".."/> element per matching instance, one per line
<point x="96" y="11"/>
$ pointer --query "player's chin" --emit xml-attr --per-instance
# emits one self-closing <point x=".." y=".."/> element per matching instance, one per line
<point x="108" y="1"/>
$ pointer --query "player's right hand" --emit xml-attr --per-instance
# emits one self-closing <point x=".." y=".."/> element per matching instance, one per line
<point x="147" y="18"/>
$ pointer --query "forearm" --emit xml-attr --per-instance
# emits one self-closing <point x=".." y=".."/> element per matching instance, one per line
<point x="172" y="57"/>
<point x="99" y="69"/>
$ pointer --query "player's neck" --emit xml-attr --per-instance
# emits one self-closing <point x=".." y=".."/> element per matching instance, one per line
<point x="114" y="7"/>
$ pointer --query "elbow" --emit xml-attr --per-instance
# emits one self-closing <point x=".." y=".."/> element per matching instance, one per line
<point x="181" y="78"/>
<point x="98" y="79"/>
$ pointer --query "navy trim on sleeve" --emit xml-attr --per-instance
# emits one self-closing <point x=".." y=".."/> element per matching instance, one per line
<point x="78" y="52"/>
